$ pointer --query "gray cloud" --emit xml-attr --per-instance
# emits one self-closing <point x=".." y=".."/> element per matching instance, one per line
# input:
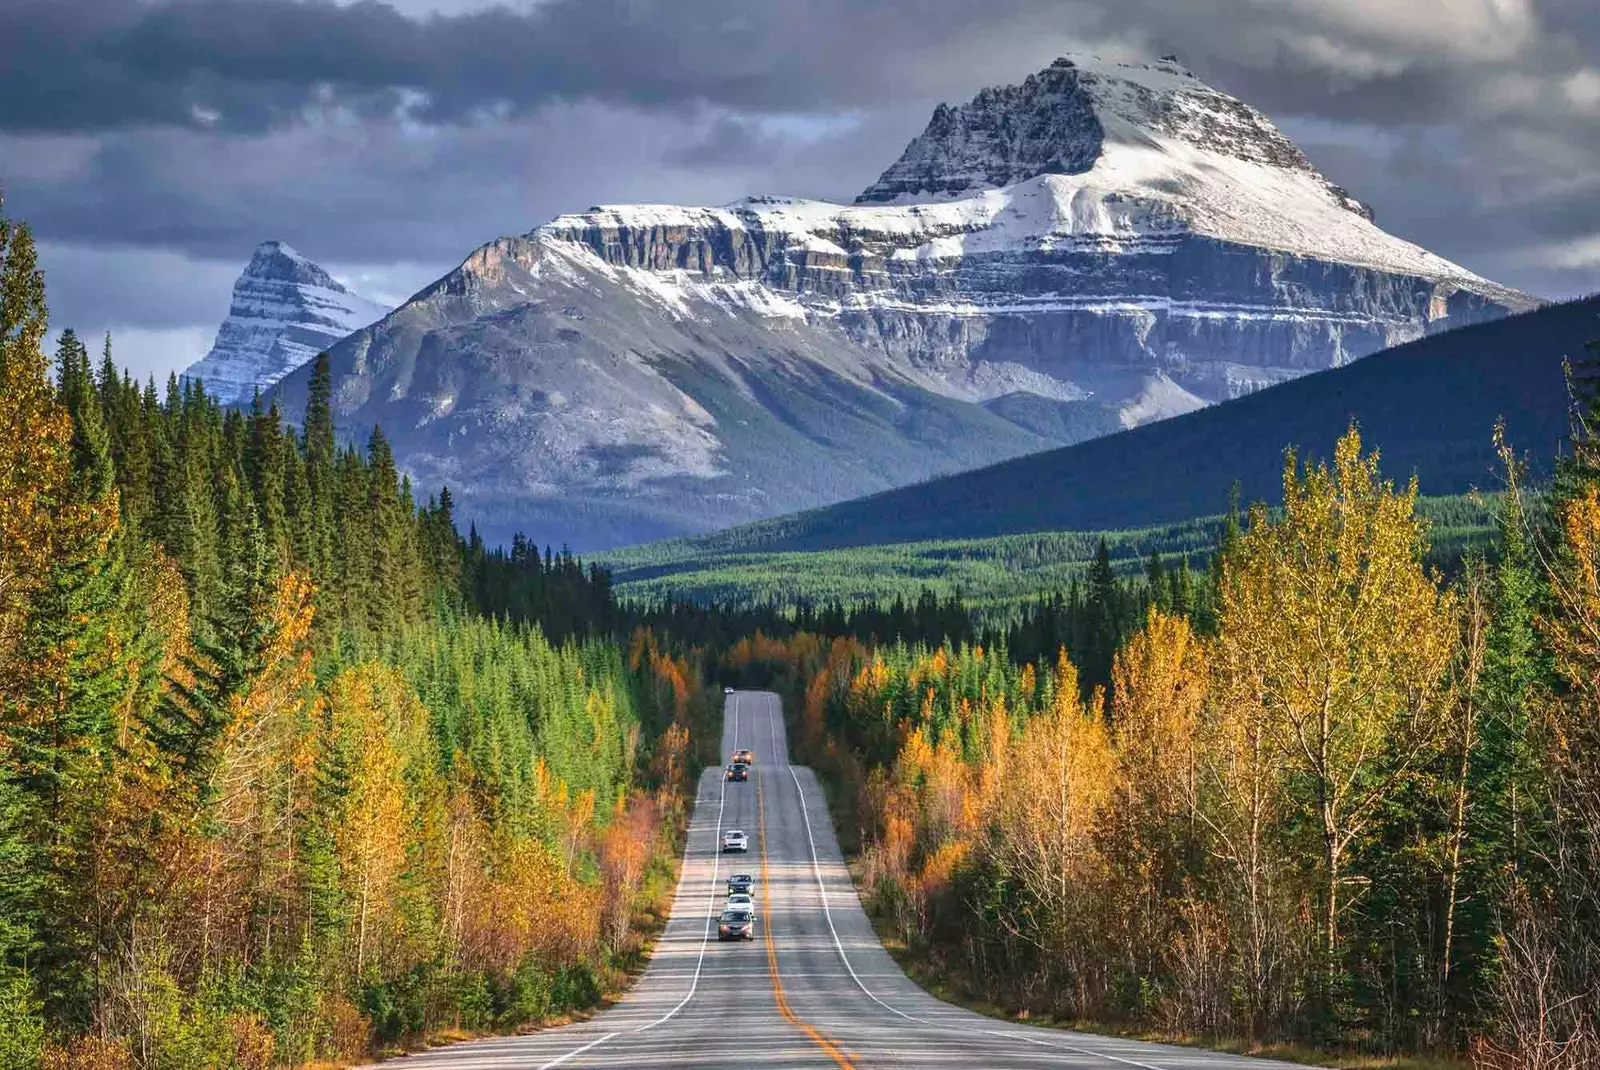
<point x="376" y="136"/>
<point x="249" y="65"/>
<point x="246" y="65"/>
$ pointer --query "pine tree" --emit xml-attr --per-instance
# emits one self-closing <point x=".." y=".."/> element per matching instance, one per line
<point x="1102" y="620"/>
<point x="322" y="485"/>
<point x="264" y="465"/>
<point x="1156" y="579"/>
<point x="124" y="409"/>
<point x="63" y="693"/>
<point x="1182" y="594"/>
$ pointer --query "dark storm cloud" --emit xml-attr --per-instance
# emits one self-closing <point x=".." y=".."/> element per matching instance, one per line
<point x="246" y="65"/>
<point x="369" y="135"/>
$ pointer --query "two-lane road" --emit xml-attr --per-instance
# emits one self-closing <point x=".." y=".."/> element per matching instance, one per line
<point x="815" y="988"/>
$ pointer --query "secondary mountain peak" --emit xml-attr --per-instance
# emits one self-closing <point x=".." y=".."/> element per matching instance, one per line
<point x="285" y="310"/>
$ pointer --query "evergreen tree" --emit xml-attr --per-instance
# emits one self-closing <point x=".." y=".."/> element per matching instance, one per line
<point x="1156" y="578"/>
<point x="264" y="465"/>
<point x="1102" y="620"/>
<point x="320" y="450"/>
<point x="1182" y="592"/>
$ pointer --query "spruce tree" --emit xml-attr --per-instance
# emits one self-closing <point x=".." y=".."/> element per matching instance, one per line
<point x="322" y="485"/>
<point x="1102" y="620"/>
<point x="1156" y="578"/>
<point x="265" y="471"/>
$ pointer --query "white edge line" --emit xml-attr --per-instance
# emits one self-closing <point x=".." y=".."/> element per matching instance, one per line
<point x="577" y="1051"/>
<point x="816" y="868"/>
<point x="705" y="936"/>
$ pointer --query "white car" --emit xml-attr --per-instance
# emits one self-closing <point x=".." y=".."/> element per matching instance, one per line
<point x="727" y="691"/>
<point x="741" y="901"/>
<point x="735" y="840"/>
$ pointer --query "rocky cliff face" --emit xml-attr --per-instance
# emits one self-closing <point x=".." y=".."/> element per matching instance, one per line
<point x="1099" y="247"/>
<point x="285" y="311"/>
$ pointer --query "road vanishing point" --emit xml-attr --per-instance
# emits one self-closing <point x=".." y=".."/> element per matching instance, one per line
<point x="815" y="989"/>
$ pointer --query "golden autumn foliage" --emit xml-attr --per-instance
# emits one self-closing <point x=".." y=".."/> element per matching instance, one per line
<point x="1191" y="855"/>
<point x="1050" y="804"/>
<point x="1160" y="680"/>
<point x="375" y="722"/>
<point x="35" y="441"/>
<point x="1330" y="624"/>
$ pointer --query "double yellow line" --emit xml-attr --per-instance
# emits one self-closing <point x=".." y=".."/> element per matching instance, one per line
<point x="833" y="1051"/>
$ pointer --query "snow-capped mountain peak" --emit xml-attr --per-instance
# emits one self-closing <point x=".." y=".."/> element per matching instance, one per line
<point x="1066" y="118"/>
<point x="1097" y="247"/>
<point x="285" y="310"/>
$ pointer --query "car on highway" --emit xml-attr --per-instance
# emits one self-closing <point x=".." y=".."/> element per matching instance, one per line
<point x="743" y="757"/>
<point x="736" y="925"/>
<point x="727" y="691"/>
<point x="740" y="882"/>
<point x="742" y="901"/>
<point x="738" y="771"/>
<point x="735" y="840"/>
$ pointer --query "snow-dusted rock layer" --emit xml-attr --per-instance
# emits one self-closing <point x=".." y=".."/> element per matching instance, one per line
<point x="1098" y="217"/>
<point x="1099" y="247"/>
<point x="285" y="311"/>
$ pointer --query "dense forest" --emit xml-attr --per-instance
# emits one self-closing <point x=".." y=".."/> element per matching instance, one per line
<point x="1317" y="794"/>
<point x="999" y="578"/>
<point x="291" y="770"/>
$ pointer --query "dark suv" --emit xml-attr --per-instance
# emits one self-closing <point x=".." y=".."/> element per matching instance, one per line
<point x="740" y="882"/>
<point x="738" y="771"/>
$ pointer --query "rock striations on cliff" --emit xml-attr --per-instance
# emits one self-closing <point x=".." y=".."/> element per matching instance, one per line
<point x="1101" y="246"/>
<point x="285" y="310"/>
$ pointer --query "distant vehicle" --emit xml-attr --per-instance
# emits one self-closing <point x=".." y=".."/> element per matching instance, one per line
<point x="727" y="691"/>
<point x="742" y="901"/>
<point x="743" y="757"/>
<point x="735" y="840"/>
<point x="739" y="771"/>
<point x="736" y="925"/>
<point x="740" y="882"/>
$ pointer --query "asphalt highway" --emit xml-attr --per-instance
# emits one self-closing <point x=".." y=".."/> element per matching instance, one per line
<point x="815" y="988"/>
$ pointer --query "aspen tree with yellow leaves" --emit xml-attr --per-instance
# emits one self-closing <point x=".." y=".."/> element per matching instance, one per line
<point x="1349" y="639"/>
<point x="1159" y="680"/>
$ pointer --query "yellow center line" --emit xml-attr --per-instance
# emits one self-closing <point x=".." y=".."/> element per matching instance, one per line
<point x="833" y="1051"/>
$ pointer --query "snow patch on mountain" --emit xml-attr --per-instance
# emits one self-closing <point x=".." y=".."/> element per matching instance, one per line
<point x="285" y="310"/>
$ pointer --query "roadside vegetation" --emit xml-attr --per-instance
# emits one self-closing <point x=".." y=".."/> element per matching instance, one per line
<point x="1338" y="806"/>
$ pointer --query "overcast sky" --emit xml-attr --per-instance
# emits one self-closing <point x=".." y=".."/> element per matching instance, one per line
<point x="152" y="144"/>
